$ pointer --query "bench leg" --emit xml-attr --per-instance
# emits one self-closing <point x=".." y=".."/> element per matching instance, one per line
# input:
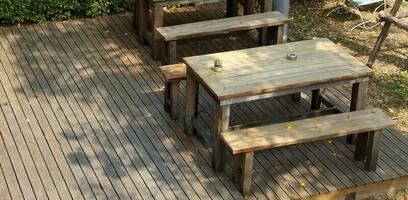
<point x="143" y="12"/>
<point x="169" y="52"/>
<point x="372" y="150"/>
<point x="315" y="104"/>
<point x="249" y="7"/>
<point x="222" y="115"/>
<point x="274" y="35"/>
<point x="358" y="99"/>
<point x="242" y="173"/>
<point x="174" y="97"/>
<point x="296" y="97"/>
<point x="232" y="8"/>
<point x="167" y="89"/>
<point x="172" y="52"/>
<point x="266" y="6"/>
<point x="157" y="22"/>
<point x="136" y="15"/>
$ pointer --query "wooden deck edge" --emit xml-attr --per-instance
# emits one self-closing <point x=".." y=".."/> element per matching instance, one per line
<point x="364" y="191"/>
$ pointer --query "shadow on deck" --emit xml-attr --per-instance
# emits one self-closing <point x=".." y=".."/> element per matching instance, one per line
<point x="81" y="116"/>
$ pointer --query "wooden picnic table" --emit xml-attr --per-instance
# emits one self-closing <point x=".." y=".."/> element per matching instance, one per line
<point x="265" y="72"/>
<point x="142" y="7"/>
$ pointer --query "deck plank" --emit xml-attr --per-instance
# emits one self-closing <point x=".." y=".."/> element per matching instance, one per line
<point x="98" y="128"/>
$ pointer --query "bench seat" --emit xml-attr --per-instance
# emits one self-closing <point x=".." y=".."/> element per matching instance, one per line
<point x="243" y="143"/>
<point x="170" y="34"/>
<point x="173" y="74"/>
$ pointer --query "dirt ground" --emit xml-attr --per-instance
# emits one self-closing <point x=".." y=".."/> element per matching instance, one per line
<point x="389" y="89"/>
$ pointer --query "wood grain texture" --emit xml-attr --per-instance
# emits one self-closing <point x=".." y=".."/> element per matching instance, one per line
<point x="265" y="69"/>
<point x="283" y="134"/>
<point x="219" y="26"/>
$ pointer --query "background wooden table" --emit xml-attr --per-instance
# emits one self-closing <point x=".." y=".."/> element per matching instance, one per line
<point x="265" y="72"/>
<point x="142" y="17"/>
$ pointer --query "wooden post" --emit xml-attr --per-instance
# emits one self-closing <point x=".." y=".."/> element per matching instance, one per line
<point x="358" y="102"/>
<point x="171" y="52"/>
<point x="372" y="150"/>
<point x="247" y="161"/>
<point x="167" y="89"/>
<point x="191" y="102"/>
<point x="164" y="53"/>
<point x="174" y="94"/>
<point x="266" y="6"/>
<point x="236" y="168"/>
<point x="249" y="7"/>
<point x="383" y="34"/>
<point x="278" y="34"/>
<point x="143" y="19"/>
<point x="361" y="146"/>
<point x="242" y="171"/>
<point x="296" y="97"/>
<point x="157" y="22"/>
<point x="136" y="15"/>
<point x="315" y="105"/>
<point x="222" y="115"/>
<point x="232" y="8"/>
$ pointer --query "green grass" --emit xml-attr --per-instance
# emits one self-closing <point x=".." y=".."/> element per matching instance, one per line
<point x="389" y="88"/>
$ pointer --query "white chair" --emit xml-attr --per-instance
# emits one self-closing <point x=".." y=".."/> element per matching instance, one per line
<point x="358" y="3"/>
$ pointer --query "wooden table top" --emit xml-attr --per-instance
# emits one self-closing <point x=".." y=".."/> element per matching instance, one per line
<point x="265" y="69"/>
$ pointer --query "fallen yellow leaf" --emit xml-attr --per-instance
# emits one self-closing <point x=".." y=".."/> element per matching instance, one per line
<point x="290" y="126"/>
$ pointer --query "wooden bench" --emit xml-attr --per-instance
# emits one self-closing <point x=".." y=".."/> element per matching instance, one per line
<point x="243" y="143"/>
<point x="170" y="34"/>
<point x="173" y="74"/>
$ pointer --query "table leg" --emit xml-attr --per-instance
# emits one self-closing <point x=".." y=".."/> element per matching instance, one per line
<point x="232" y="8"/>
<point x="222" y="115"/>
<point x="143" y="12"/>
<point x="191" y="103"/>
<point x="358" y="102"/>
<point x="372" y="150"/>
<point x="157" y="22"/>
<point x="315" y="105"/>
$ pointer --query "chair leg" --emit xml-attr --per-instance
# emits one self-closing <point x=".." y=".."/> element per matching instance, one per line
<point x="372" y="150"/>
<point x="167" y="96"/>
<point x="174" y="97"/>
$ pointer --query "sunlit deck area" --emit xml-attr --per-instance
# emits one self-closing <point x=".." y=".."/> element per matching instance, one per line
<point x="82" y="117"/>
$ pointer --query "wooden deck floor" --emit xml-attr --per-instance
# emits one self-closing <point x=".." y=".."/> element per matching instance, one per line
<point x="81" y="117"/>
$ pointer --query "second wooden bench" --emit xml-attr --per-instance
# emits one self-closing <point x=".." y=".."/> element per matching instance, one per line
<point x="243" y="143"/>
<point x="170" y="34"/>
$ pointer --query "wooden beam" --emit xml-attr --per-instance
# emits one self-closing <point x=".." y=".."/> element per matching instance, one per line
<point x="395" y="20"/>
<point x="383" y="34"/>
<point x="365" y="191"/>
